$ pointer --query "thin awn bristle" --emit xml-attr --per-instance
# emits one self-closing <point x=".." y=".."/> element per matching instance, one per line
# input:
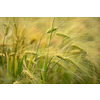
<point x="54" y="61"/>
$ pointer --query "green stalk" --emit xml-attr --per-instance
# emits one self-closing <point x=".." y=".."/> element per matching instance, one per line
<point x="3" y="43"/>
<point x="51" y="31"/>
<point x="39" y="46"/>
<point x="52" y="68"/>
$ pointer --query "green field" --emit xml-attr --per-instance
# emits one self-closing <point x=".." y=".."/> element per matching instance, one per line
<point x="47" y="50"/>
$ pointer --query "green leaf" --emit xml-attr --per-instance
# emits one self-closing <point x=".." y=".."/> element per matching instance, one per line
<point x="20" y="67"/>
<point x="45" y="67"/>
<point x="16" y="65"/>
<point x="30" y="62"/>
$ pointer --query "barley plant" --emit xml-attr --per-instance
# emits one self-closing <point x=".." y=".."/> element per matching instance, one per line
<point x="49" y="50"/>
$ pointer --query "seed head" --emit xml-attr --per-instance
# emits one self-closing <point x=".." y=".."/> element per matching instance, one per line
<point x="51" y="30"/>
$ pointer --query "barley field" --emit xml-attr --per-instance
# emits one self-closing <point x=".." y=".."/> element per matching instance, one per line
<point x="49" y="50"/>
